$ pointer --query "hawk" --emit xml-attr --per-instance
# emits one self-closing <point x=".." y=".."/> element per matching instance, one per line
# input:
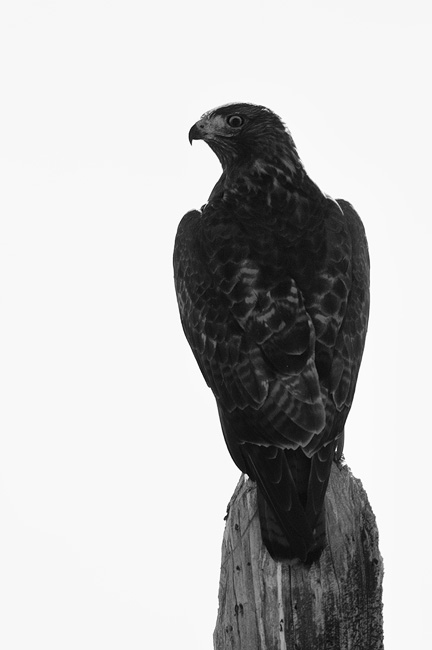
<point x="272" y="282"/>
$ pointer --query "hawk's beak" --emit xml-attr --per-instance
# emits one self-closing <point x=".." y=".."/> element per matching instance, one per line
<point x="197" y="132"/>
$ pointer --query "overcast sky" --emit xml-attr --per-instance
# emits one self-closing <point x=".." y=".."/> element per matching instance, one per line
<point x="114" y="477"/>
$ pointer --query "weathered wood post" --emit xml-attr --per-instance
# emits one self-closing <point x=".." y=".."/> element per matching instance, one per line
<point x="334" y="604"/>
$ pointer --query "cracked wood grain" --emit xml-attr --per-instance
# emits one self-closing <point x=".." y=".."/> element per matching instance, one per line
<point x="334" y="604"/>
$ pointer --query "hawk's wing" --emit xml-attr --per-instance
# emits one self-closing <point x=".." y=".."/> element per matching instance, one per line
<point x="251" y="335"/>
<point x="281" y="352"/>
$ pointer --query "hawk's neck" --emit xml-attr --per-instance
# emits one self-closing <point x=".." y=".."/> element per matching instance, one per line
<point x="271" y="175"/>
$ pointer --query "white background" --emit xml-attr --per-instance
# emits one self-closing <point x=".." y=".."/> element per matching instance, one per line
<point x="114" y="477"/>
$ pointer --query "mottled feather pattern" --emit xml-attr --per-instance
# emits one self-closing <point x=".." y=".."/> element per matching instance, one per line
<point x="272" y="280"/>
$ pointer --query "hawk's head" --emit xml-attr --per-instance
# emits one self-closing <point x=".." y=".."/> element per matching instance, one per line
<point x="242" y="133"/>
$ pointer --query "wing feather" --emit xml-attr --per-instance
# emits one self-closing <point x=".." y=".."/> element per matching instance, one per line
<point x="255" y="341"/>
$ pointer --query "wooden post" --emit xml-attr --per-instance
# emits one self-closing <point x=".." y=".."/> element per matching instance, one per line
<point x="334" y="604"/>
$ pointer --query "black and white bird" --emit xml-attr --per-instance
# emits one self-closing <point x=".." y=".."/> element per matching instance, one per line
<point x="272" y="281"/>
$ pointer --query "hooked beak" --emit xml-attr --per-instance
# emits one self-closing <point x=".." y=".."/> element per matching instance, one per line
<point x="197" y="132"/>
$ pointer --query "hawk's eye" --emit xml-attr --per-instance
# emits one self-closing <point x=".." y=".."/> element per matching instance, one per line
<point x="235" y="121"/>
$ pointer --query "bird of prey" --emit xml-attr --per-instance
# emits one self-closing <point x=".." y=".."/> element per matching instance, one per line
<point x="272" y="282"/>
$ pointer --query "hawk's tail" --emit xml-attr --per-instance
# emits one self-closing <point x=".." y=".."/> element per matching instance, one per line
<point x="291" y="491"/>
<point x="283" y="544"/>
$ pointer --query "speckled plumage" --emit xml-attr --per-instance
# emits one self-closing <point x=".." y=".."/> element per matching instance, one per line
<point x="272" y="281"/>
